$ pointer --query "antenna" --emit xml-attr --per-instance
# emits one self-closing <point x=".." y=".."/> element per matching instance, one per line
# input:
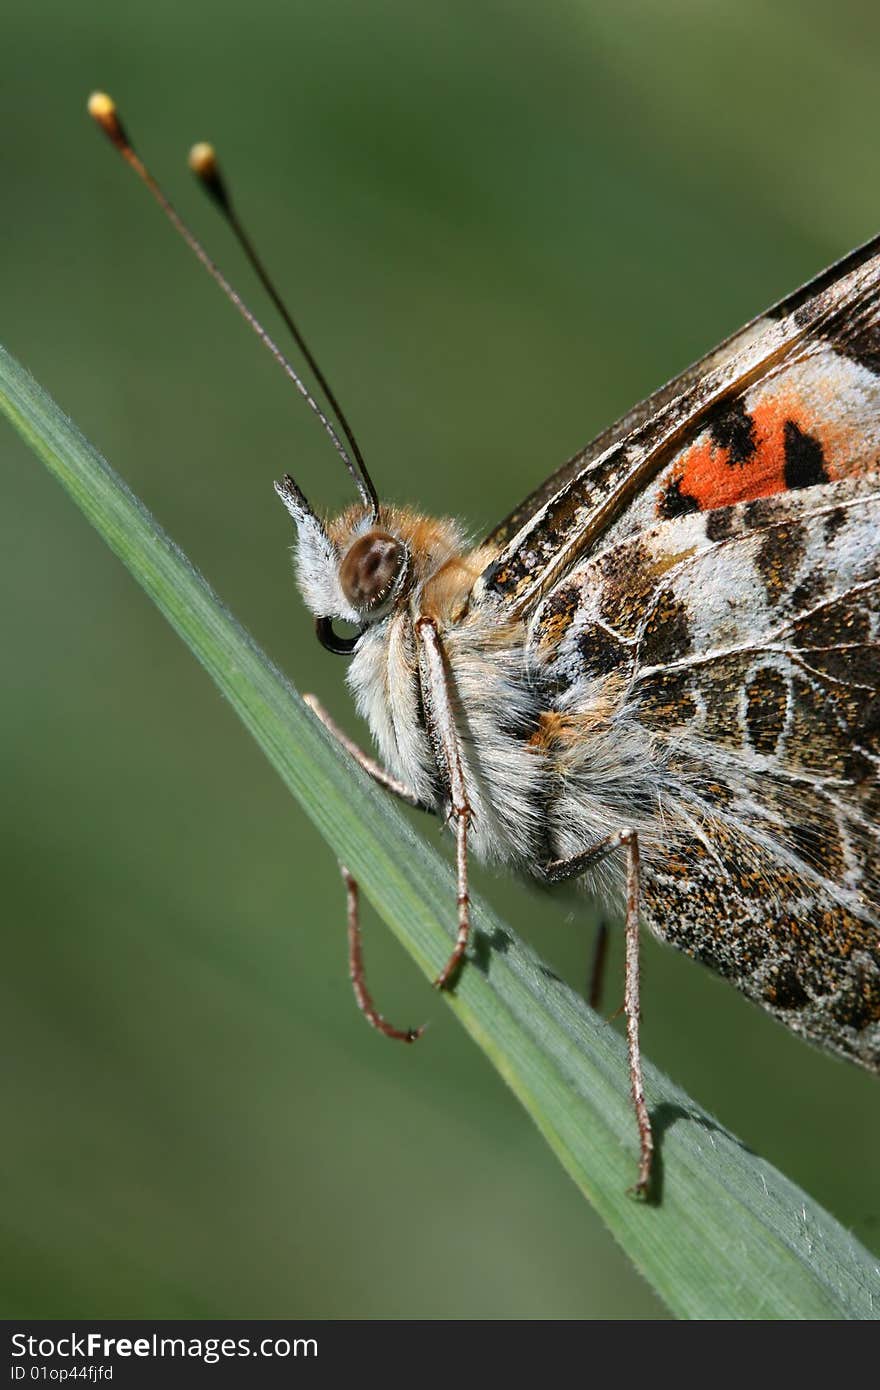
<point x="103" y="111"/>
<point x="203" y="162"/>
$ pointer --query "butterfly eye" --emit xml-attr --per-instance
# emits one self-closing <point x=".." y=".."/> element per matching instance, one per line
<point x="332" y="642"/>
<point x="371" y="569"/>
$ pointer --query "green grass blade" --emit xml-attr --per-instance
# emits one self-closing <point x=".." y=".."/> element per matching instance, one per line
<point x="730" y="1236"/>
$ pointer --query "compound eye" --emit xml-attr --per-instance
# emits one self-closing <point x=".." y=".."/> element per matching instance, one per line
<point x="332" y="642"/>
<point x="369" y="571"/>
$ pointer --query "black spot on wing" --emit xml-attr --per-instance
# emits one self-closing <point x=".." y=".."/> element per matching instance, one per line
<point x="733" y="429"/>
<point x="804" y="459"/>
<point x="600" y="651"/>
<point x="783" y="989"/>
<point x="834" y="521"/>
<point x="673" y="502"/>
<point x="720" y="524"/>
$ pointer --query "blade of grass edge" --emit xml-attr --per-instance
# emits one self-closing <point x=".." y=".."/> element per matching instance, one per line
<point x="730" y="1236"/>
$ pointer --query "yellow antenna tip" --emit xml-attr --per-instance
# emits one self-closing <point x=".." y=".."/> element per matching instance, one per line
<point x="102" y="110"/>
<point x="203" y="160"/>
<point x="101" y="107"/>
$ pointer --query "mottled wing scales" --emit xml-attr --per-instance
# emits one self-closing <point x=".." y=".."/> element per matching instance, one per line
<point x="742" y="648"/>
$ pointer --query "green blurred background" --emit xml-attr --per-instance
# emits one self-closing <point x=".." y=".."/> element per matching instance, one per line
<point x="500" y="224"/>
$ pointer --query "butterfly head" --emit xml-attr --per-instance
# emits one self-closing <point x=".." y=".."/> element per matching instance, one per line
<point x="355" y="569"/>
<point x="362" y="566"/>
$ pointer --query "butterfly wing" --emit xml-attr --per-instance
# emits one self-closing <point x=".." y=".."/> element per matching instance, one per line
<point x="736" y="655"/>
<point x="791" y="401"/>
<point x="700" y="587"/>
<point x="649" y="408"/>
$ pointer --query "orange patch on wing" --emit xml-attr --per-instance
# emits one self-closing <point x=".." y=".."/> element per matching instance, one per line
<point x="707" y="473"/>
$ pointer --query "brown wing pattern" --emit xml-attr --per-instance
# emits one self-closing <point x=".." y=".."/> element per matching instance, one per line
<point x="740" y="651"/>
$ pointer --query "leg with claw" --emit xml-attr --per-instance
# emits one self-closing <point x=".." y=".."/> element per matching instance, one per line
<point x="355" y="954"/>
<point x="356" y="970"/>
<point x="561" y="869"/>
<point x="450" y="970"/>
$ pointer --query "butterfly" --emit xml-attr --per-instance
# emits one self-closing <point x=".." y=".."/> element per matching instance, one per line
<point x="660" y="673"/>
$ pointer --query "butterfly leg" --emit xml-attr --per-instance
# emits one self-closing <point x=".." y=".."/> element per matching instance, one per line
<point x="444" y="737"/>
<point x="463" y="900"/>
<point x="561" y="869"/>
<point x="355" y="952"/>
<point x="374" y="769"/>
<point x="356" y="969"/>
